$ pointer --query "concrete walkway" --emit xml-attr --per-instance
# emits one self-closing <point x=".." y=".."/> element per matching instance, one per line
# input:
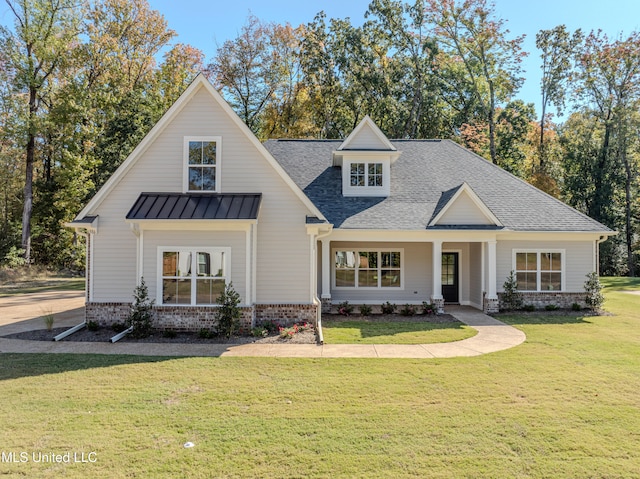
<point x="493" y="335"/>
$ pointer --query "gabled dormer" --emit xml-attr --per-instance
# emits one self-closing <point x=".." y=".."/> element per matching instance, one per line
<point x="462" y="206"/>
<point x="365" y="157"/>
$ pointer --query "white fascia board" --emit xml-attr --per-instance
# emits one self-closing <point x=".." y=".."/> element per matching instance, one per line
<point x="192" y="225"/>
<point x="411" y="236"/>
<point x="367" y="121"/>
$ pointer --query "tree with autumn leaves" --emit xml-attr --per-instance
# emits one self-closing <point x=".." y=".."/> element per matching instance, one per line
<point x="81" y="84"/>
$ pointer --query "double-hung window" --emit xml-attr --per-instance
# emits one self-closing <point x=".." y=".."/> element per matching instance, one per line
<point x="368" y="268"/>
<point x="202" y="164"/>
<point x="193" y="276"/>
<point x="539" y="270"/>
<point x="366" y="174"/>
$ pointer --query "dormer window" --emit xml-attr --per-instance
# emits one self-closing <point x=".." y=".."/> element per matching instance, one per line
<point x="366" y="174"/>
<point x="202" y="162"/>
<point x="365" y="178"/>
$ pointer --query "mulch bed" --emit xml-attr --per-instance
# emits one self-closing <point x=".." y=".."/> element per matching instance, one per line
<point x="390" y="318"/>
<point x="105" y="334"/>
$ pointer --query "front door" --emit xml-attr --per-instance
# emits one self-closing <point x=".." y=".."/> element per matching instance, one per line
<point x="450" y="277"/>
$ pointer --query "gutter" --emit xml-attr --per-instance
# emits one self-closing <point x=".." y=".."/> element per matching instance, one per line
<point x="121" y="335"/>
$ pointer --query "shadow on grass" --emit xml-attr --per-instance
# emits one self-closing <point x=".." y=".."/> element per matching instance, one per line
<point x="370" y="329"/>
<point x="620" y="283"/>
<point x="542" y="318"/>
<point x="19" y="365"/>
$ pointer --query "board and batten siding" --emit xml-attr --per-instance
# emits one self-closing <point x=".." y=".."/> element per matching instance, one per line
<point x="417" y="272"/>
<point x="283" y="252"/>
<point x="579" y="260"/>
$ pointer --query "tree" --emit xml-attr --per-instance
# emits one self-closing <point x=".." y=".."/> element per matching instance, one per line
<point x="475" y="48"/>
<point x="44" y="30"/>
<point x="557" y="49"/>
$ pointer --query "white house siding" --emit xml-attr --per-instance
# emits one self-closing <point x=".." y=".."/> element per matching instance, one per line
<point x="282" y="240"/>
<point x="475" y="274"/>
<point x="366" y="139"/>
<point x="232" y="239"/>
<point x="417" y="270"/>
<point x="464" y="212"/>
<point x="578" y="260"/>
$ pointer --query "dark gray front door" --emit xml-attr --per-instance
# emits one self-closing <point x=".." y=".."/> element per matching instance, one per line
<point x="450" y="277"/>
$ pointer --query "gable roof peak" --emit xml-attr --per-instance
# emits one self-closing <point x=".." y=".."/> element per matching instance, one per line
<point x="367" y="135"/>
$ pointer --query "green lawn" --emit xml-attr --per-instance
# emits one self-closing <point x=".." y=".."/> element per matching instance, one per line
<point x="11" y="288"/>
<point x="565" y="404"/>
<point x="372" y="332"/>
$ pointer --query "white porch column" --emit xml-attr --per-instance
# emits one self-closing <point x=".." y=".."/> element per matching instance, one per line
<point x="325" y="296"/>
<point x="436" y="297"/>
<point x="491" y="302"/>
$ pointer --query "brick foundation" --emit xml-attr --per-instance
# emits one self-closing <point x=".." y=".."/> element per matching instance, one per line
<point x="559" y="299"/>
<point x="491" y="306"/>
<point x="195" y="318"/>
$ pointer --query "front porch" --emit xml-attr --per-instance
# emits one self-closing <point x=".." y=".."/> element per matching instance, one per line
<point x="439" y="271"/>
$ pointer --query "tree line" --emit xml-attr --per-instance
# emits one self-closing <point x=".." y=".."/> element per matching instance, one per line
<point x="80" y="86"/>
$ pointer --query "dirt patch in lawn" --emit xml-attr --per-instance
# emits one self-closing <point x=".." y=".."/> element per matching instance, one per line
<point x="105" y="334"/>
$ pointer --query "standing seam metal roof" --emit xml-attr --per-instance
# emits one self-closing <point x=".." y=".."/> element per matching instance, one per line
<point x="195" y="206"/>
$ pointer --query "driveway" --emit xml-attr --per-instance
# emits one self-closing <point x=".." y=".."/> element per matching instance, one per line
<point x="22" y="312"/>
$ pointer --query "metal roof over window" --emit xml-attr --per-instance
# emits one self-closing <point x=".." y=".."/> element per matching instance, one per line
<point x="180" y="206"/>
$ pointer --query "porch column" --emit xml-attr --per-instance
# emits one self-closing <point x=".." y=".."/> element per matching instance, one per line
<point x="491" y="303"/>
<point x="326" y="276"/>
<point x="436" y="298"/>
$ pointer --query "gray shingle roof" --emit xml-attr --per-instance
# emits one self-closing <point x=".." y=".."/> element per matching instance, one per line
<point x="425" y="176"/>
<point x="178" y="206"/>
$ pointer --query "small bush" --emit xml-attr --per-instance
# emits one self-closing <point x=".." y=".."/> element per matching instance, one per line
<point x="345" y="309"/>
<point x="259" y="332"/>
<point x="576" y="307"/>
<point x="428" y="308"/>
<point x="528" y="307"/>
<point x="365" y="310"/>
<point x="407" y="310"/>
<point x="49" y="319"/>
<point x="206" y="333"/>
<point x="593" y="288"/>
<point x="93" y="325"/>
<point x="271" y="326"/>
<point x="15" y="258"/>
<point x="169" y="333"/>
<point x="388" y="308"/>
<point x="551" y="307"/>
<point x="228" y="314"/>
<point x="140" y="315"/>
<point x="118" y="327"/>
<point x="511" y="297"/>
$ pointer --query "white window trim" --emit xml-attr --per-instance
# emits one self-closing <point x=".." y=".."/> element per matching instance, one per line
<point x="366" y="190"/>
<point x="185" y="162"/>
<point x="538" y="251"/>
<point x="194" y="265"/>
<point x="367" y="288"/>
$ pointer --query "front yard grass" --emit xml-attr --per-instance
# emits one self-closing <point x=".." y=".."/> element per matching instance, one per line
<point x="373" y="332"/>
<point x="564" y="404"/>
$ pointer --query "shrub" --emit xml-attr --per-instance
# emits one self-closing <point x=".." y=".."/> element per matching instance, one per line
<point x="388" y="308"/>
<point x="511" y="297"/>
<point x="551" y="307"/>
<point x="259" y="332"/>
<point x="428" y="308"/>
<point x="528" y="307"/>
<point x="206" y="333"/>
<point x="228" y="313"/>
<point x="93" y="325"/>
<point x="140" y="315"/>
<point x="345" y="309"/>
<point x="118" y="327"/>
<point x="15" y="258"/>
<point x="576" y="307"/>
<point x="408" y="310"/>
<point x="49" y="319"/>
<point x="169" y="333"/>
<point x="593" y="288"/>
<point x="365" y="310"/>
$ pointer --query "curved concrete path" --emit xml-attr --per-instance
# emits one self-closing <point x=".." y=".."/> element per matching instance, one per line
<point x="16" y="314"/>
